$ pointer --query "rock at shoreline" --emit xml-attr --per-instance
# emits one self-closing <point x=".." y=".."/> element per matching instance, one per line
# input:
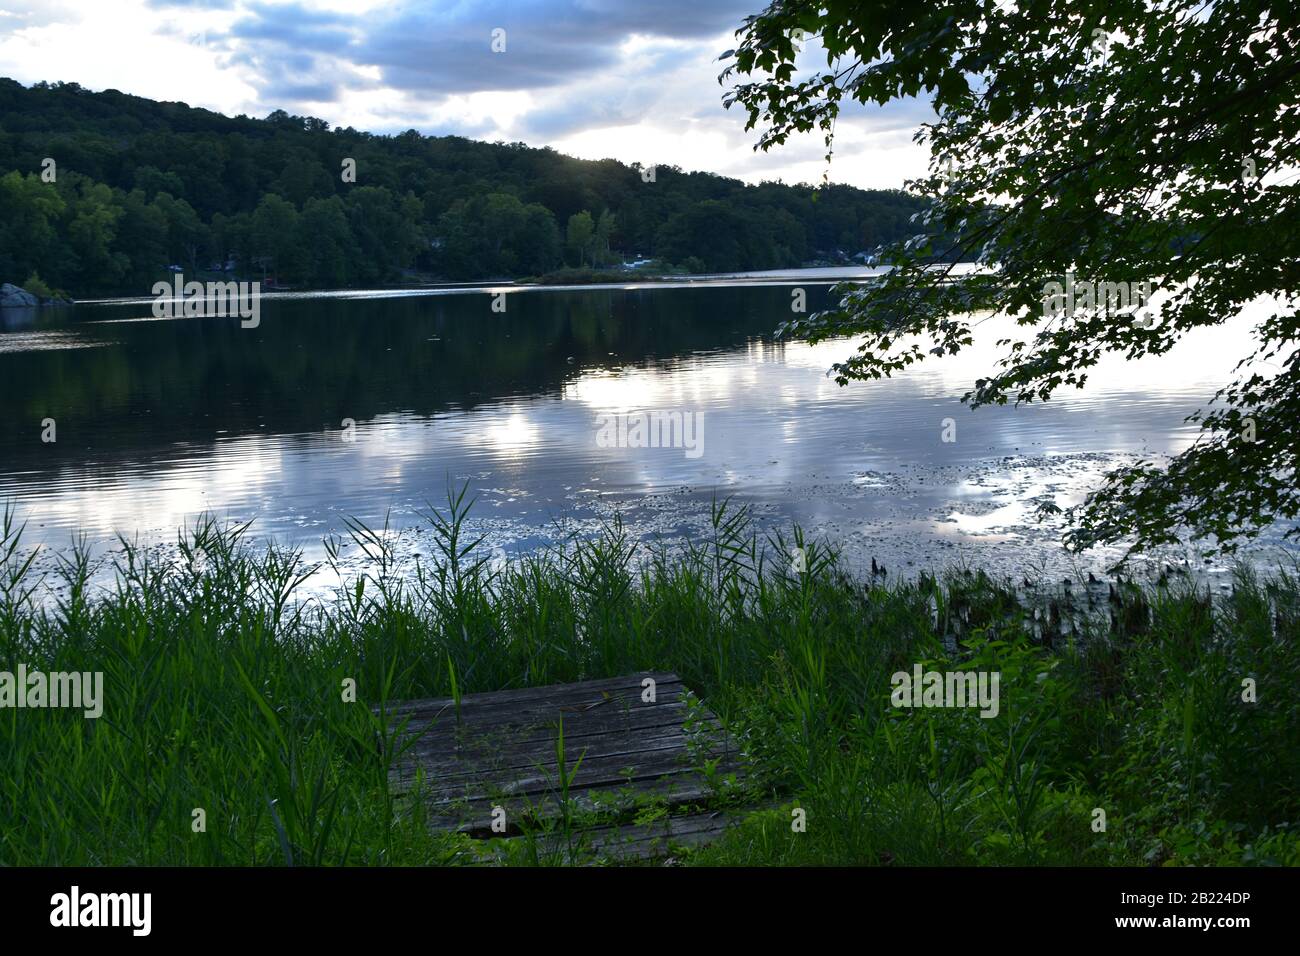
<point x="12" y="297"/>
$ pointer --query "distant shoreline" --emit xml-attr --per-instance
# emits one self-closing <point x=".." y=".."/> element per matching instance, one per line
<point x="813" y="275"/>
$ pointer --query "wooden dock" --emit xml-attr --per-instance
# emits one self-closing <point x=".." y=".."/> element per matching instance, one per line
<point x="649" y="768"/>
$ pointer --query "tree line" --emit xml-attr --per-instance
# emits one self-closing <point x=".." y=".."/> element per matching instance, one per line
<point x="100" y="192"/>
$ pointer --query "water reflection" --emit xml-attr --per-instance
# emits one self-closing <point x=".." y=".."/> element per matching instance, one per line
<point x="160" y="421"/>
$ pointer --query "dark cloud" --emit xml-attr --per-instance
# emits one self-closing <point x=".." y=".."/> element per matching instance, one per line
<point x="442" y="48"/>
<point x="637" y="93"/>
<point x="289" y="78"/>
<point x="296" y="54"/>
<point x="298" y="27"/>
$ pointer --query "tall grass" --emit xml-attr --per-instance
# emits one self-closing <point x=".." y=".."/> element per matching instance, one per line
<point x="226" y="694"/>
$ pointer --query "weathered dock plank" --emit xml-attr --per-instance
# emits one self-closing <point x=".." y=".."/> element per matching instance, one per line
<point x="637" y="842"/>
<point x="582" y="692"/>
<point x="648" y="840"/>
<point x="623" y="749"/>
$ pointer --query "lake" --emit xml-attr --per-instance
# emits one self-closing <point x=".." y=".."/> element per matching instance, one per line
<point x="370" y="404"/>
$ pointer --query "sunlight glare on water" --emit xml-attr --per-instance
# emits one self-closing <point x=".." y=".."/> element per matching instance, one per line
<point x="170" y="420"/>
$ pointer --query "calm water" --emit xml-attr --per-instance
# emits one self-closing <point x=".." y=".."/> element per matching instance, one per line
<point x="161" y="420"/>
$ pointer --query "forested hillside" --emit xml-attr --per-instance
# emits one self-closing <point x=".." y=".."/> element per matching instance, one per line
<point x="138" y="185"/>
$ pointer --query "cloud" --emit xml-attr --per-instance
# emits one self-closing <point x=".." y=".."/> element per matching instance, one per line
<point x="444" y="48"/>
<point x="643" y="87"/>
<point x="630" y="79"/>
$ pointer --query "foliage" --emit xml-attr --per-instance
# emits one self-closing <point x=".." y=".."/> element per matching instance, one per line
<point x="143" y="185"/>
<point x="580" y="236"/>
<point x="37" y="287"/>
<point x="1117" y="143"/>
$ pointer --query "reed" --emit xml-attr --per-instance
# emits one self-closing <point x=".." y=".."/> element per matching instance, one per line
<point x="224" y="693"/>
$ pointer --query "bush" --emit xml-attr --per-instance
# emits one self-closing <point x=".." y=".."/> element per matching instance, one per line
<point x="38" y="288"/>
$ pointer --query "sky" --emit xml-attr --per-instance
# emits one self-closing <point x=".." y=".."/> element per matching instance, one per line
<point x="634" y="80"/>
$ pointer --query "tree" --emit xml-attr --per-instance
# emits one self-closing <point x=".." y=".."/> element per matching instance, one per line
<point x="1113" y="142"/>
<point x="29" y="238"/>
<point x="497" y="235"/>
<point x="580" y="235"/>
<point x="275" y="237"/>
<point x="538" y="241"/>
<point x="232" y="236"/>
<point x="186" y="233"/>
<point x="501" y="219"/>
<point x="303" y="178"/>
<point x="721" y="237"/>
<point x="142" y="235"/>
<point x="605" y="226"/>
<point x="153" y="181"/>
<point x="324" y="233"/>
<point x="709" y="231"/>
<point x="386" y="231"/>
<point x="92" y="231"/>
<point x="222" y="167"/>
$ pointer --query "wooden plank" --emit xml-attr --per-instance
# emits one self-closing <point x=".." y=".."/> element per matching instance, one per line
<point x="598" y="772"/>
<point x="451" y="767"/>
<point x="671" y="791"/>
<point x="498" y="750"/>
<point x="637" y="842"/>
<point x="480" y="758"/>
<point x="563" y="694"/>
<point x="598" y="764"/>
<point x="652" y="840"/>
<point x="453" y="736"/>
